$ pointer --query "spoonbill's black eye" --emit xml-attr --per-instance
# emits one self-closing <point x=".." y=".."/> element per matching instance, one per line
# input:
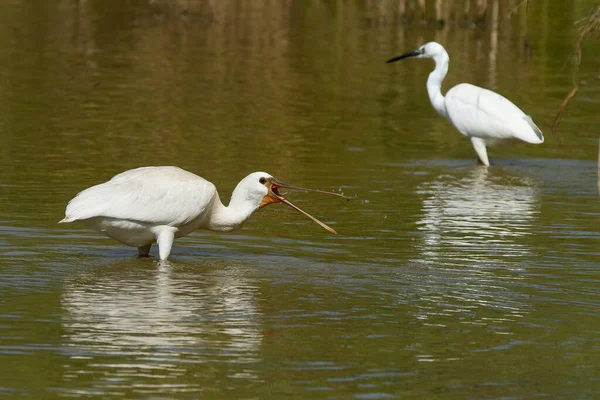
<point x="262" y="180"/>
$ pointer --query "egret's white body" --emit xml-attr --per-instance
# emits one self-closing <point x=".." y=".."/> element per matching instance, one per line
<point x="158" y="204"/>
<point x="480" y="114"/>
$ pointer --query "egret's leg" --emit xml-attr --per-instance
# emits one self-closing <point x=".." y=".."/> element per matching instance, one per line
<point x="165" y="238"/>
<point x="479" y="146"/>
<point x="143" y="251"/>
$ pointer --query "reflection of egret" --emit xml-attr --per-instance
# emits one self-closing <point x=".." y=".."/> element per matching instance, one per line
<point x="474" y="240"/>
<point x="480" y="114"/>
<point x="476" y="212"/>
<point x="158" y="204"/>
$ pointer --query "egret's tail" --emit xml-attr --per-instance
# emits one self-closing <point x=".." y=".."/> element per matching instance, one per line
<point x="65" y="220"/>
<point x="536" y="130"/>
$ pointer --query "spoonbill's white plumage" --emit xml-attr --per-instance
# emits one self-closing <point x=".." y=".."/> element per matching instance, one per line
<point x="159" y="204"/>
<point x="484" y="116"/>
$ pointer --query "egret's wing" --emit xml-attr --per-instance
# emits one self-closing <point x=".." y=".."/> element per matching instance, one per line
<point x="156" y="195"/>
<point x="479" y="112"/>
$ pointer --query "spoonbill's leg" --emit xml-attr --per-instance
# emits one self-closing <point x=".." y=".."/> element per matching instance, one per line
<point x="479" y="146"/>
<point x="164" y="238"/>
<point x="143" y="251"/>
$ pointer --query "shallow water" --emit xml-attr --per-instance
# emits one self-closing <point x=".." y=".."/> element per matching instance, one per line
<point x="447" y="279"/>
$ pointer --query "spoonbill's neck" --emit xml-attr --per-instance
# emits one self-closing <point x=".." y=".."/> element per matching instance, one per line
<point x="434" y="83"/>
<point x="228" y="218"/>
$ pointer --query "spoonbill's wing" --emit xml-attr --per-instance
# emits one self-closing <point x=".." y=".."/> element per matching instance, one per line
<point x="156" y="195"/>
<point x="479" y="112"/>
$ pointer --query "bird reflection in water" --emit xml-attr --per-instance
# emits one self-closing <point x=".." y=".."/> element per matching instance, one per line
<point x="478" y="213"/>
<point x="475" y="232"/>
<point x="127" y="323"/>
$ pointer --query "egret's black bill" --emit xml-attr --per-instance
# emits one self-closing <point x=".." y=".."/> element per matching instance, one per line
<point x="403" y="56"/>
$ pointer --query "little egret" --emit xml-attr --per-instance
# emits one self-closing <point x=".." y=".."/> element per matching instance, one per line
<point x="158" y="204"/>
<point x="480" y="114"/>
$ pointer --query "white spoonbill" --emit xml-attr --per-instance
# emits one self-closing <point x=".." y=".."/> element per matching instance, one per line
<point x="158" y="204"/>
<point x="480" y="114"/>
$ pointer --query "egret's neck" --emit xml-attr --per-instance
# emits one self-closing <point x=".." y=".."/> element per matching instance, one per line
<point x="225" y="219"/>
<point x="434" y="83"/>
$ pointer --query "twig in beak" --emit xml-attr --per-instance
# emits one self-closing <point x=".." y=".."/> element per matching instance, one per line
<point x="285" y="201"/>
<point x="276" y="184"/>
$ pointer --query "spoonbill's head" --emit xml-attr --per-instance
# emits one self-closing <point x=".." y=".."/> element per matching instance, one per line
<point x="428" y="50"/>
<point x="252" y="189"/>
<point x="261" y="189"/>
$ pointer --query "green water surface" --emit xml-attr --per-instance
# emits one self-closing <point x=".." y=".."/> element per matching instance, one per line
<point x="447" y="280"/>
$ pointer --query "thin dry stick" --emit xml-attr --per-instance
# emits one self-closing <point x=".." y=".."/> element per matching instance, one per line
<point x="516" y="8"/>
<point x="562" y="109"/>
<point x="563" y="106"/>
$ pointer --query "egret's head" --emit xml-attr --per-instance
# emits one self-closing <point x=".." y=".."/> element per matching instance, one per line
<point x="431" y="50"/>
<point x="428" y="50"/>
<point x="261" y="189"/>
